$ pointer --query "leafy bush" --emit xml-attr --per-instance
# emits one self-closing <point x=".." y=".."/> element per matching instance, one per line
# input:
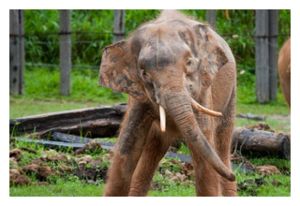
<point x="92" y="30"/>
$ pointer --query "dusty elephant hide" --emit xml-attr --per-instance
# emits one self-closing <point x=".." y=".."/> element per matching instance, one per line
<point x="181" y="79"/>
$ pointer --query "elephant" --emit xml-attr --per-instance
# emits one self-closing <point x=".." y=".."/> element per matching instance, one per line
<point x="181" y="79"/>
<point x="284" y="70"/>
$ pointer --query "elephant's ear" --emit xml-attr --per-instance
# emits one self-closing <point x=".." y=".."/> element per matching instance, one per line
<point x="118" y="70"/>
<point x="210" y="53"/>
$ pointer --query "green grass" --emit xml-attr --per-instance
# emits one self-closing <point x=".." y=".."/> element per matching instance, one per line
<point x="257" y="185"/>
<point x="43" y="84"/>
<point x="24" y="106"/>
<point x="42" y="94"/>
<point x="279" y="125"/>
<point x="275" y="185"/>
<point x="79" y="188"/>
<point x="62" y="187"/>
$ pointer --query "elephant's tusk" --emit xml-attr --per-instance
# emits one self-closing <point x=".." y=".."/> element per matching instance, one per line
<point x="162" y="116"/>
<point x="203" y="109"/>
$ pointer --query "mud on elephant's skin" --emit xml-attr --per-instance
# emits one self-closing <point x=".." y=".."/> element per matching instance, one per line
<point x="181" y="79"/>
<point x="284" y="70"/>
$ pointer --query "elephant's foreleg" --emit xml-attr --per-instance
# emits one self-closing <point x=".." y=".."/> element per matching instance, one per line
<point x="207" y="179"/>
<point x="127" y="152"/>
<point x="154" y="150"/>
<point x="223" y="146"/>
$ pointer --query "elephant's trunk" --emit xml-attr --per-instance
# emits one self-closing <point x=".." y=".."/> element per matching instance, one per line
<point x="178" y="106"/>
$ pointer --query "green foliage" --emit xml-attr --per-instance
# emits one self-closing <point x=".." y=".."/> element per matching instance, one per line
<point x="284" y="26"/>
<point x="38" y="46"/>
<point x="238" y="30"/>
<point x="134" y="18"/>
<point x="92" y="30"/>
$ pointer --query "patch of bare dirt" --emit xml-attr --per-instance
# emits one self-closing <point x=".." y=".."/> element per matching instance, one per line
<point x="267" y="170"/>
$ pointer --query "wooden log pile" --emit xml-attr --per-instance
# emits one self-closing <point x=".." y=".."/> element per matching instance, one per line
<point x="105" y="122"/>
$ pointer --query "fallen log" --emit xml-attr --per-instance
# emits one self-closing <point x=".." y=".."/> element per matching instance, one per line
<point x="261" y="142"/>
<point x="93" y="128"/>
<point x="100" y="122"/>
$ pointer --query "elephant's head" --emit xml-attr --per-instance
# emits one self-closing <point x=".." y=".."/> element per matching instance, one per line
<point x="168" y="63"/>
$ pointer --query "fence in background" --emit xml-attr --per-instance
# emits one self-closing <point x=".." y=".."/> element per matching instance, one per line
<point x="266" y="54"/>
<point x="119" y="25"/>
<point x="16" y="53"/>
<point x="266" y="33"/>
<point x="65" y="51"/>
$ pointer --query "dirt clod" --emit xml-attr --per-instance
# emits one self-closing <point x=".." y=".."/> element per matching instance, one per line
<point x="17" y="178"/>
<point x="241" y="160"/>
<point x="13" y="164"/>
<point x="40" y="170"/>
<point x="52" y="155"/>
<point x="267" y="170"/>
<point x="90" y="169"/>
<point x="16" y="154"/>
<point x="91" y="146"/>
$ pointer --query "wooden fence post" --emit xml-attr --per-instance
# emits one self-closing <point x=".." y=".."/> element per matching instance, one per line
<point x="119" y="25"/>
<point x="17" y="54"/>
<point x="65" y="62"/>
<point x="262" y="56"/>
<point x="273" y="35"/>
<point x="211" y="16"/>
<point x="266" y="54"/>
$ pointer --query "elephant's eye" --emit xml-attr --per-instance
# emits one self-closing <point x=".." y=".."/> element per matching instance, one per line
<point x="143" y="72"/>
<point x="189" y="62"/>
<point x="191" y="65"/>
<point x="145" y="75"/>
